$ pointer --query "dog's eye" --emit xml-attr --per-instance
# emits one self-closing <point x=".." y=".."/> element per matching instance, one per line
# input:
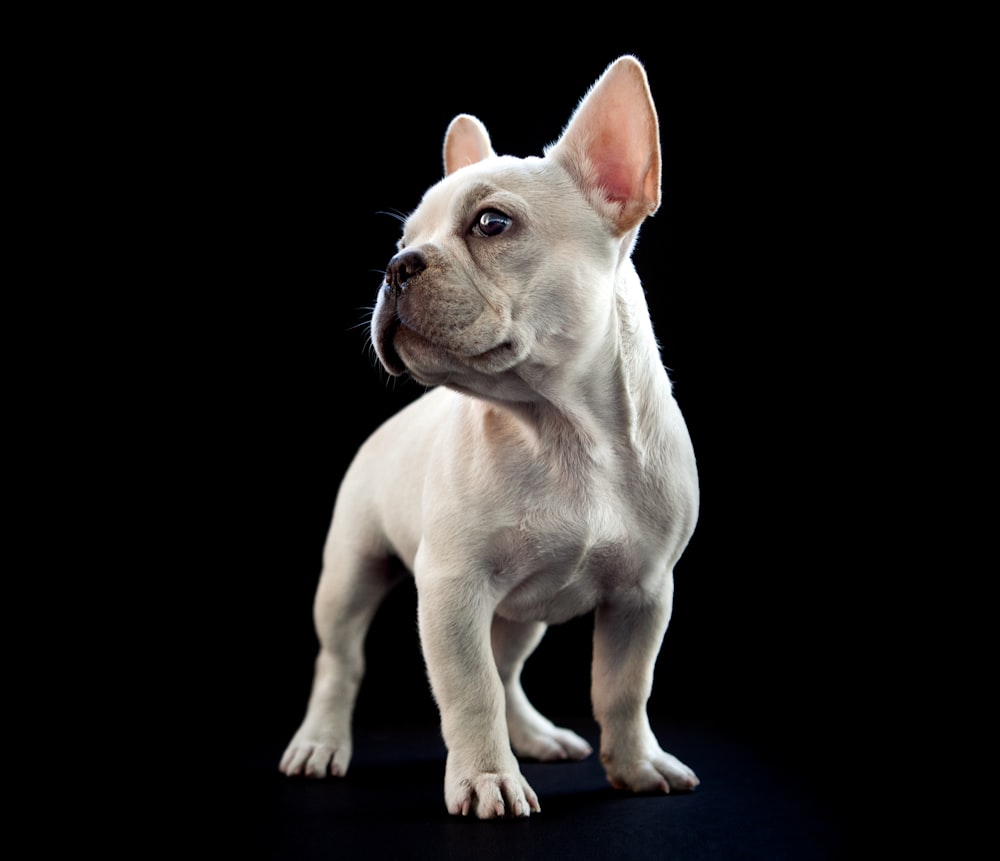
<point x="492" y="223"/>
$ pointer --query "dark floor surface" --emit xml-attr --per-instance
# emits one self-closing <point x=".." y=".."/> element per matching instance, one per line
<point x="390" y="806"/>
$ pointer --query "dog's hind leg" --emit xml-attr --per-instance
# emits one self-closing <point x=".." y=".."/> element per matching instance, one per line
<point x="351" y="588"/>
<point x="531" y="733"/>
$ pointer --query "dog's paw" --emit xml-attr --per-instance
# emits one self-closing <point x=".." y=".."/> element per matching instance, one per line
<point x="316" y="755"/>
<point x="547" y="742"/>
<point x="654" y="771"/>
<point x="490" y="795"/>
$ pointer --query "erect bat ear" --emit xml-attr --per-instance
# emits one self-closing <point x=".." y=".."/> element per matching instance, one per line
<point x="611" y="145"/>
<point x="465" y="142"/>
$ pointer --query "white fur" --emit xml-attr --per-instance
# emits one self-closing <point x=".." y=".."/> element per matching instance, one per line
<point x="548" y="473"/>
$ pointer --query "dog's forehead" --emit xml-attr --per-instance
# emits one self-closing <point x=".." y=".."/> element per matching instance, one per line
<point x="456" y="196"/>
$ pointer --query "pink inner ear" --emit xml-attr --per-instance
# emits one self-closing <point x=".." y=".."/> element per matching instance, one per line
<point x="461" y="152"/>
<point x="621" y="156"/>
<point x="616" y="179"/>
<point x="613" y="140"/>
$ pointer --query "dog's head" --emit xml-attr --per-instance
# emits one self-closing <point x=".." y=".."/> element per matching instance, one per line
<point x="507" y="270"/>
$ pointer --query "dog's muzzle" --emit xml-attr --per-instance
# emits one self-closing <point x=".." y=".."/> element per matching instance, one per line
<point x="402" y="267"/>
<point x="439" y="326"/>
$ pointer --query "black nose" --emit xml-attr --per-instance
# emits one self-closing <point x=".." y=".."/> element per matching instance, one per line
<point x="403" y="267"/>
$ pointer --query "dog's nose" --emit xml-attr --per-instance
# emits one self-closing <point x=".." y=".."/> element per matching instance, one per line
<point x="402" y="267"/>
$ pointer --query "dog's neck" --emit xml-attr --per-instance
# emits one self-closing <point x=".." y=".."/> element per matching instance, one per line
<point x="613" y="403"/>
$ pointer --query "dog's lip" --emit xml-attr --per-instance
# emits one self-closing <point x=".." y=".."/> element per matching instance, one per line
<point x="494" y="359"/>
<point x="392" y="361"/>
<point x="503" y="347"/>
<point x="506" y="346"/>
<point x="386" y="348"/>
<point x="488" y="355"/>
<point x="394" y="337"/>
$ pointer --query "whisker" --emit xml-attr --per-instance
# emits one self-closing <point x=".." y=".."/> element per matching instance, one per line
<point x="399" y="216"/>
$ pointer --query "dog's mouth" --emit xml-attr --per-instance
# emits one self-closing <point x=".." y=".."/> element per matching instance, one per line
<point x="428" y="361"/>
<point x="385" y="345"/>
<point x="501" y="354"/>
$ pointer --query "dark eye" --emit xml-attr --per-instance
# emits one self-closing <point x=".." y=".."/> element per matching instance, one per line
<point x="492" y="223"/>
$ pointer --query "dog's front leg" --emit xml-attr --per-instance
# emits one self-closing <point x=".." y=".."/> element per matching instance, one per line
<point x="627" y="638"/>
<point x="482" y="774"/>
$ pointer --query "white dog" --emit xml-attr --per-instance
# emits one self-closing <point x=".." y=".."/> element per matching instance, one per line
<point x="548" y="473"/>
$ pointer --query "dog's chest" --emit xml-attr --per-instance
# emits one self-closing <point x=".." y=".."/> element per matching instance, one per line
<point x="568" y="533"/>
<point x="554" y="568"/>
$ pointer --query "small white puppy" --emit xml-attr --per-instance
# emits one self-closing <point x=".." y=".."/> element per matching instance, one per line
<point x="548" y="473"/>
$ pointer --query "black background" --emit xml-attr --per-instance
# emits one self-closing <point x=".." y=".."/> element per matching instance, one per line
<point x="289" y="167"/>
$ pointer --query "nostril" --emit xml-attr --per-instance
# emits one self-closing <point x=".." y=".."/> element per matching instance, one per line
<point x="403" y="267"/>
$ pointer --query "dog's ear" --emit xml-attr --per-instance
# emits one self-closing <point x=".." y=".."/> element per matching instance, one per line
<point x="465" y="142"/>
<point x="611" y="145"/>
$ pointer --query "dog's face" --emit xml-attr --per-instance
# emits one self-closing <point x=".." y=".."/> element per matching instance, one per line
<point x="496" y="274"/>
<point x="507" y="270"/>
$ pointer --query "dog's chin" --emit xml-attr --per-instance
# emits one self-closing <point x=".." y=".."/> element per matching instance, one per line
<point x="402" y="350"/>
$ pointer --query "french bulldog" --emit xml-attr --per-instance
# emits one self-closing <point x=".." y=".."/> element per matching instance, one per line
<point x="546" y="473"/>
